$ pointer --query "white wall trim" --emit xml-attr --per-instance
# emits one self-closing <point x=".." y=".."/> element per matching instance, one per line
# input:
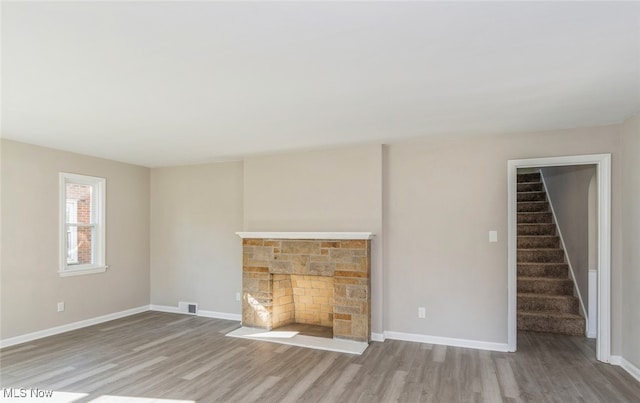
<point x="307" y="235"/>
<point x="220" y="315"/>
<point x="165" y="308"/>
<point x="447" y="341"/>
<point x="377" y="337"/>
<point x="603" y="172"/>
<point x="615" y="360"/>
<point x="70" y="326"/>
<point x="630" y="368"/>
<point x="592" y="324"/>
<point x="566" y="254"/>
<point x="200" y="312"/>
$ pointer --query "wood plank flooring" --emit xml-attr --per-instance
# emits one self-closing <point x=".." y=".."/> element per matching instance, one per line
<point x="171" y="356"/>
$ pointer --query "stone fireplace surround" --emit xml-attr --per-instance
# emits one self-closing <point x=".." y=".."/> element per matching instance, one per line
<point x="343" y="256"/>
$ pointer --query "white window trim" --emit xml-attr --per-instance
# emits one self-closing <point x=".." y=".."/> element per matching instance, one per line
<point x="74" y="234"/>
<point x="99" y="216"/>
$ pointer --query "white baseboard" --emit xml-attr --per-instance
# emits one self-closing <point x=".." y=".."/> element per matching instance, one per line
<point x="165" y="308"/>
<point x="220" y="315"/>
<point x="631" y="369"/>
<point x="201" y="312"/>
<point x="626" y="365"/>
<point x="447" y="341"/>
<point x="615" y="360"/>
<point x="70" y="326"/>
<point x="377" y="337"/>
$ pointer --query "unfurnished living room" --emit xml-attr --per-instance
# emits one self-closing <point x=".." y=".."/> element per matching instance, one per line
<point x="235" y="201"/>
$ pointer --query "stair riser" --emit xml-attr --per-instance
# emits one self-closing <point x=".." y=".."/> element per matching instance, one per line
<point x="533" y="242"/>
<point x="530" y="187"/>
<point x="545" y="287"/>
<point x="569" y="326"/>
<point x="541" y="256"/>
<point x="524" y="207"/>
<point x="535" y="218"/>
<point x="534" y="177"/>
<point x="561" y="305"/>
<point x="531" y="196"/>
<point x="536" y="229"/>
<point x="552" y="271"/>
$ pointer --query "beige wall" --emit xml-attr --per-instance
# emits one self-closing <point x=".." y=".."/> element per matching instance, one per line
<point x="195" y="254"/>
<point x="327" y="190"/>
<point x="441" y="200"/>
<point x="31" y="286"/>
<point x="436" y="202"/>
<point x="631" y="240"/>
<point x="568" y="191"/>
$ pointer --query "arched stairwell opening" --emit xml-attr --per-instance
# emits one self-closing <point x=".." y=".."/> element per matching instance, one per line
<point x="545" y="292"/>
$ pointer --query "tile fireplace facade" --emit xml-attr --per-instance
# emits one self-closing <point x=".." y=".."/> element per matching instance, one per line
<point x="335" y="271"/>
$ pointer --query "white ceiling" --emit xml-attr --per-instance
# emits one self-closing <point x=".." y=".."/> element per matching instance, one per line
<point x="169" y="83"/>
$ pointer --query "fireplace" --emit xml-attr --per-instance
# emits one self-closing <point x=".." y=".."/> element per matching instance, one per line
<point x="321" y="279"/>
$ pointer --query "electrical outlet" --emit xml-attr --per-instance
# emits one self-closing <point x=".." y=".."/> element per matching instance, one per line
<point x="237" y="296"/>
<point x="422" y="312"/>
<point x="60" y="306"/>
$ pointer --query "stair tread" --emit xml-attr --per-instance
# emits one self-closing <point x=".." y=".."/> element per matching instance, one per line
<point x="534" y="212"/>
<point x="543" y="249"/>
<point x="547" y="279"/>
<point x="560" y="315"/>
<point x="544" y="296"/>
<point x="541" y="263"/>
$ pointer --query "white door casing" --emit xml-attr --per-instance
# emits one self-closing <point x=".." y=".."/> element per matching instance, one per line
<point x="603" y="175"/>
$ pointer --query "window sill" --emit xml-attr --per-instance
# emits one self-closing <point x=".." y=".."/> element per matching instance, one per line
<point x="80" y="272"/>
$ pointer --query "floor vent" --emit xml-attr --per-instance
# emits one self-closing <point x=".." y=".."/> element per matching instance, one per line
<point x="190" y="308"/>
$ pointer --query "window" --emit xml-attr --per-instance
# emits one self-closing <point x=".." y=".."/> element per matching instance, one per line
<point x="82" y="225"/>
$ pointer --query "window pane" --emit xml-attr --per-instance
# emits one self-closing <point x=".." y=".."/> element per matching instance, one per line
<point x="79" y="245"/>
<point x="79" y="203"/>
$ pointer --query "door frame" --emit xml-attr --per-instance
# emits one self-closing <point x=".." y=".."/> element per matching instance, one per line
<point x="603" y="176"/>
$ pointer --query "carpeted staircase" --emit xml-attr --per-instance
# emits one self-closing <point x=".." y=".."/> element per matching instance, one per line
<point x="546" y="302"/>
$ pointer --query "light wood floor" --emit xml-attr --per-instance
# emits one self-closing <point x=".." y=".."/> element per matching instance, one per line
<point x="171" y="356"/>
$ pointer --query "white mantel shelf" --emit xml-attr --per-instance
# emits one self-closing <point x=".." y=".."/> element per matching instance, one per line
<point x="306" y="235"/>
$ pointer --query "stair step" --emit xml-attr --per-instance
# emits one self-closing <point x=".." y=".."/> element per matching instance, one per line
<point x="549" y="255"/>
<point x="545" y="285"/>
<point x="536" y="217"/>
<point x="530" y="177"/>
<point x="538" y="241"/>
<point x="536" y="229"/>
<point x="563" y="323"/>
<point x="553" y="270"/>
<point x="533" y="206"/>
<point x="530" y="187"/>
<point x="531" y="196"/>
<point x="550" y="303"/>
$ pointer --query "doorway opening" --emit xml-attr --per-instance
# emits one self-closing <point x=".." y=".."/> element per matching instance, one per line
<point x="602" y="163"/>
